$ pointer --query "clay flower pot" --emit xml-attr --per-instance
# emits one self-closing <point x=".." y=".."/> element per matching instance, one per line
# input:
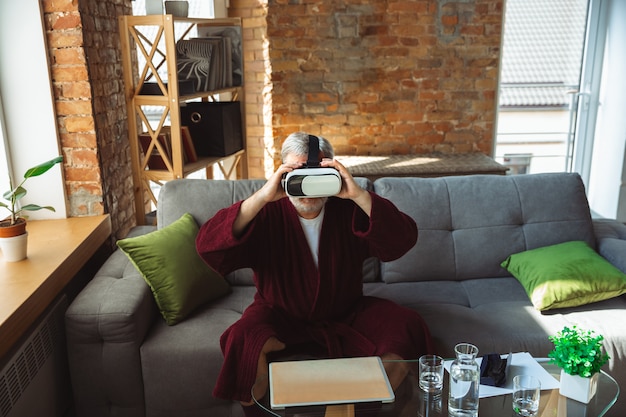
<point x="13" y="237"/>
<point x="9" y="230"/>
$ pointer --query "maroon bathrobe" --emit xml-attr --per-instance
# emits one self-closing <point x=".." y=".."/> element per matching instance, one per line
<point x="301" y="304"/>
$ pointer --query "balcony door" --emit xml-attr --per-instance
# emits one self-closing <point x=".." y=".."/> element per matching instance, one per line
<point x="549" y="81"/>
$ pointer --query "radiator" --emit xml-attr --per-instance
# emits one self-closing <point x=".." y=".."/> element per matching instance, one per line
<point x="35" y="379"/>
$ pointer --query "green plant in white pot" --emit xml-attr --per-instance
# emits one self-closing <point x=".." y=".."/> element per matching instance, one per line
<point x="579" y="354"/>
<point x="13" y="235"/>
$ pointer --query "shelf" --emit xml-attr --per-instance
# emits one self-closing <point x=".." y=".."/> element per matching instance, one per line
<point x="148" y="20"/>
<point x="150" y="99"/>
<point x="149" y="57"/>
<point x="189" y="168"/>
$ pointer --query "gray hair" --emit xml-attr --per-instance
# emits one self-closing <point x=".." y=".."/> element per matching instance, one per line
<point x="298" y="144"/>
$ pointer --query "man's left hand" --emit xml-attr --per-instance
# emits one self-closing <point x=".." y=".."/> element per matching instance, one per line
<point x="349" y="188"/>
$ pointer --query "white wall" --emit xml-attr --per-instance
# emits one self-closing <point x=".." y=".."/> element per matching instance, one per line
<point x="540" y="133"/>
<point x="197" y="8"/>
<point x="28" y="105"/>
<point x="220" y="8"/>
<point x="607" y="189"/>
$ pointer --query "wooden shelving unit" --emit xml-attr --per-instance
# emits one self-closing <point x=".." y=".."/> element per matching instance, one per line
<point x="150" y="42"/>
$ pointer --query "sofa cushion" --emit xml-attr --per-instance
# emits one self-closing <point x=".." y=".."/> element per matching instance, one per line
<point x="203" y="198"/>
<point x="469" y="224"/>
<point x="479" y="311"/>
<point x="569" y="274"/>
<point x="180" y="363"/>
<point x="496" y="315"/>
<point x="167" y="259"/>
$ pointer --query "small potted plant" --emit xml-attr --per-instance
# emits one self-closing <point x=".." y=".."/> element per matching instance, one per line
<point x="13" y="235"/>
<point x="579" y="354"/>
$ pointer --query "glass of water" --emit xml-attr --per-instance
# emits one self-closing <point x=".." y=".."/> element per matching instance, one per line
<point x="431" y="373"/>
<point x="526" y="392"/>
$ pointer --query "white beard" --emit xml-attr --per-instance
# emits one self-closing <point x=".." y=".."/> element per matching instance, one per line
<point x="307" y="206"/>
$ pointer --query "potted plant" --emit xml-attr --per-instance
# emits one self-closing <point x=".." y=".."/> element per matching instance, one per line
<point x="13" y="235"/>
<point x="580" y="356"/>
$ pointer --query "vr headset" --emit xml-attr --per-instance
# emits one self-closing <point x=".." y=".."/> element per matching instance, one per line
<point x="312" y="180"/>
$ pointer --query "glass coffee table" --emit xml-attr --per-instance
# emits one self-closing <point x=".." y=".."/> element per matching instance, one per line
<point x="412" y="401"/>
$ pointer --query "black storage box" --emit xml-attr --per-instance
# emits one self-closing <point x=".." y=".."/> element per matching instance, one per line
<point x="153" y="89"/>
<point x="215" y="127"/>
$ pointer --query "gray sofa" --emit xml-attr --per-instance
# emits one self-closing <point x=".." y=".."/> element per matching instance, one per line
<point x="125" y="361"/>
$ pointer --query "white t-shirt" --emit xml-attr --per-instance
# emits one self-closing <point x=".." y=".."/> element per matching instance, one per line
<point x="312" y="229"/>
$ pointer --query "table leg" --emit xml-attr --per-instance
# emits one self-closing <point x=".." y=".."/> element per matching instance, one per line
<point x="342" y="410"/>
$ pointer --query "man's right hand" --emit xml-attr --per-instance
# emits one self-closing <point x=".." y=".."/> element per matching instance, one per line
<point x="272" y="190"/>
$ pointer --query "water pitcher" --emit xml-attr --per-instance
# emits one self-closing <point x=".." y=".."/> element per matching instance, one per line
<point x="464" y="382"/>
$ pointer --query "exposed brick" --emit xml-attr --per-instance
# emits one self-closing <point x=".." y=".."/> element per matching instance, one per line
<point x="79" y="140"/>
<point x="82" y="174"/>
<point x="63" y="21"/>
<point x="449" y="20"/>
<point x="79" y="124"/>
<point x="69" y="73"/>
<point x="65" y="39"/>
<point x="83" y="157"/>
<point x="86" y="188"/>
<point x="77" y="90"/>
<point x="52" y="6"/>
<point x="68" y="56"/>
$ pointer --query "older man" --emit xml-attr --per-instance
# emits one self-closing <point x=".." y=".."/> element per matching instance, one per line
<point x="307" y="255"/>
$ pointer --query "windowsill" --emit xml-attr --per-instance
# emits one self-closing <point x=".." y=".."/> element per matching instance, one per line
<point x="57" y="250"/>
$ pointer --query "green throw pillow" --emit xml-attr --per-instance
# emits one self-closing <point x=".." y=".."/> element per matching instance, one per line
<point x="168" y="261"/>
<point x="565" y="275"/>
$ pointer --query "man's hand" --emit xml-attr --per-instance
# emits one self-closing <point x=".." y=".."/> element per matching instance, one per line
<point x="349" y="188"/>
<point x="272" y="190"/>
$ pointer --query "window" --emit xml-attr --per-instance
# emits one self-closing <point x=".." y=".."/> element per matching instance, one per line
<point x="540" y="77"/>
<point x="28" y="130"/>
<point x="4" y="166"/>
<point x="197" y="8"/>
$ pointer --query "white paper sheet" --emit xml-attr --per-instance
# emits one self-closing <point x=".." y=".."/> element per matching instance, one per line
<point x="521" y="363"/>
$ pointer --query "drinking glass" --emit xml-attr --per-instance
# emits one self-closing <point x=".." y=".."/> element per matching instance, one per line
<point x="431" y="373"/>
<point x="526" y="392"/>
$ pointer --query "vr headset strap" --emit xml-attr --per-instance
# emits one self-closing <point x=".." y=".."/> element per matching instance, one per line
<point x="314" y="152"/>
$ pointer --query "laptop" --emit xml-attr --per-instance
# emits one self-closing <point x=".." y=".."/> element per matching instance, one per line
<point x="328" y="382"/>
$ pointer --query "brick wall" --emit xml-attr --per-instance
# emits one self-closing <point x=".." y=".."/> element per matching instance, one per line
<point x="85" y="63"/>
<point x="374" y="77"/>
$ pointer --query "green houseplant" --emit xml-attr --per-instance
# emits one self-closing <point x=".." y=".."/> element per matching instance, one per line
<point x="13" y="228"/>
<point x="579" y="354"/>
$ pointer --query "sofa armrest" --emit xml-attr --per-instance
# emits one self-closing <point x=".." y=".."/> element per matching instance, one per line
<point x="611" y="241"/>
<point x="608" y="228"/>
<point x="613" y="250"/>
<point x="105" y="327"/>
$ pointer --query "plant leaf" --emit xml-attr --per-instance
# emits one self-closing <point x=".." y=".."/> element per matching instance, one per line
<point x="35" y="207"/>
<point x="578" y="352"/>
<point x="43" y="167"/>
<point x="15" y="195"/>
